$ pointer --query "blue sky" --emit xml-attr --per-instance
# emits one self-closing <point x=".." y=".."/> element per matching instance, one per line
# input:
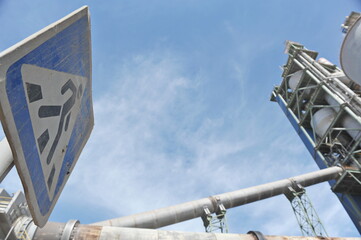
<point x="181" y="98"/>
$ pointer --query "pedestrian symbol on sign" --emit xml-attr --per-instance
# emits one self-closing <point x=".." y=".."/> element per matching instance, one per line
<point x="52" y="111"/>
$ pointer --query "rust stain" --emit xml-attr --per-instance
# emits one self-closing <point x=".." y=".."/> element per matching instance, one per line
<point x="269" y="237"/>
<point x="87" y="232"/>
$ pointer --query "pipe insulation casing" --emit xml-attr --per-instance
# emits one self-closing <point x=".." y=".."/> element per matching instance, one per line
<point x="107" y="233"/>
<point x="351" y="51"/>
<point x="6" y="158"/>
<point x="347" y="121"/>
<point x="322" y="120"/>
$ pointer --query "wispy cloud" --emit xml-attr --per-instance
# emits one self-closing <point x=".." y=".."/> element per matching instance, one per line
<point x="153" y="140"/>
<point x="155" y="145"/>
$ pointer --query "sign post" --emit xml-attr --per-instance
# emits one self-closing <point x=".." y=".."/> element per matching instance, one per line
<point x="46" y="107"/>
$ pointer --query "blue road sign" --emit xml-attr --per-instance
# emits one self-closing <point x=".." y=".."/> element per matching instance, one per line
<point x="46" y="107"/>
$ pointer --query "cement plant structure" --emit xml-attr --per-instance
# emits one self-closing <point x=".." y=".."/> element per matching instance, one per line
<point x="321" y="101"/>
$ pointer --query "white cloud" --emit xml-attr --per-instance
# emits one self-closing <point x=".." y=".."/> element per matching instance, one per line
<point x="154" y="145"/>
<point x="152" y="142"/>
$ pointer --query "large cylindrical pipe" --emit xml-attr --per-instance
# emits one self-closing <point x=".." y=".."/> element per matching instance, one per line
<point x="51" y="231"/>
<point x="193" y="209"/>
<point x="351" y="52"/>
<point x="295" y="79"/>
<point x="109" y="233"/>
<point x="322" y="120"/>
<point x="347" y="121"/>
<point x="6" y="159"/>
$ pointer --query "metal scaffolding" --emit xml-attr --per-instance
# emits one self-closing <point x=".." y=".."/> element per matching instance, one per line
<point x="307" y="217"/>
<point x="322" y="86"/>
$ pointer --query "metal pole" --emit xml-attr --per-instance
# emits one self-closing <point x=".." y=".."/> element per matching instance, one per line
<point x="6" y="159"/>
<point x="193" y="209"/>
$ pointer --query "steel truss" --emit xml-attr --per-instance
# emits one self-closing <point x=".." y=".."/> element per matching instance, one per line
<point x="339" y="145"/>
<point x="307" y="217"/>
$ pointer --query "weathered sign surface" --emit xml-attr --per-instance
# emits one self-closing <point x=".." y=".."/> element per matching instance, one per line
<point x="46" y="107"/>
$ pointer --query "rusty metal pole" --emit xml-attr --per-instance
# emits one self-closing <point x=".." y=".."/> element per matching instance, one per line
<point x="193" y="209"/>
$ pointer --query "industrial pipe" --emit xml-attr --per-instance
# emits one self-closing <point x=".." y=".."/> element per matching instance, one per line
<point x="109" y="233"/>
<point x="323" y="117"/>
<point x="6" y="159"/>
<point x="106" y="233"/>
<point x="351" y="52"/>
<point x="193" y="209"/>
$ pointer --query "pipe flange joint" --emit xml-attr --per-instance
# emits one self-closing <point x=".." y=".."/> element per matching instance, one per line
<point x="258" y="235"/>
<point x="68" y="229"/>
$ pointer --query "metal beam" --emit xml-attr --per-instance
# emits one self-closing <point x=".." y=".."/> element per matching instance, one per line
<point x="194" y="209"/>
